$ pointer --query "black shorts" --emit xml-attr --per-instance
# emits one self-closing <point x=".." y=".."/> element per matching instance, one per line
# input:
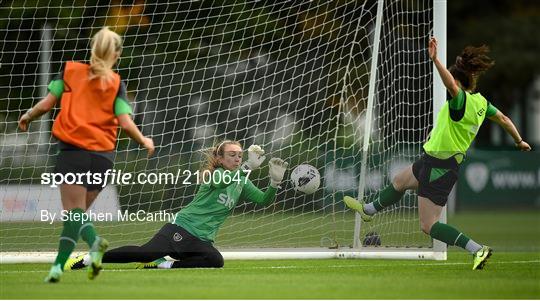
<point x="180" y="242"/>
<point x="82" y="162"/>
<point x="174" y="241"/>
<point x="436" y="177"/>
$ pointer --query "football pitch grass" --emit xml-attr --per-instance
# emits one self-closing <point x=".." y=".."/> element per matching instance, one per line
<point x="513" y="272"/>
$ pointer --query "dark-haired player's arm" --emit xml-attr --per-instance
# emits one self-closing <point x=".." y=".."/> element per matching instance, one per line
<point x="507" y="124"/>
<point x="446" y="76"/>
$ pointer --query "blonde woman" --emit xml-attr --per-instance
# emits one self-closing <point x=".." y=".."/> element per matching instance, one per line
<point x="93" y="104"/>
<point x="189" y="239"/>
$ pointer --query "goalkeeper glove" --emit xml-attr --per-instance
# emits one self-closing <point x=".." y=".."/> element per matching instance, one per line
<point x="255" y="158"/>
<point x="277" y="168"/>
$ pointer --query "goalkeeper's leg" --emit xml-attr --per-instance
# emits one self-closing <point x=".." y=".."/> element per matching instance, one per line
<point x="126" y="254"/>
<point x="209" y="257"/>
<point x="157" y="247"/>
<point x="145" y="254"/>
<point x="190" y="251"/>
<point x="160" y="263"/>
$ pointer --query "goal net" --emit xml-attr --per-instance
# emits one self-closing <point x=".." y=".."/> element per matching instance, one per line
<point x="345" y="86"/>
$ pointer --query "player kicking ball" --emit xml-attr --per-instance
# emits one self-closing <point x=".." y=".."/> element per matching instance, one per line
<point x="436" y="172"/>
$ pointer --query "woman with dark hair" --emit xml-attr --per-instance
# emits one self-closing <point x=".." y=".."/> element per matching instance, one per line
<point x="435" y="173"/>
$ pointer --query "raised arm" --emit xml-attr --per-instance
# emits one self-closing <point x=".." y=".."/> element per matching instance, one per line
<point x="446" y="76"/>
<point x="276" y="171"/>
<point x="42" y="107"/>
<point x="507" y="124"/>
<point x="255" y="195"/>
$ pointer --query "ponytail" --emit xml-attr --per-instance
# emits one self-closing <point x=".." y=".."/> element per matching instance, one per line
<point x="472" y="62"/>
<point x="106" y="44"/>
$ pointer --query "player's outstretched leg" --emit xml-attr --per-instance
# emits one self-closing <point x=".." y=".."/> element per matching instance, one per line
<point x="152" y="265"/>
<point x="358" y="206"/>
<point x="481" y="257"/>
<point x="96" y="254"/>
<point x="386" y="197"/>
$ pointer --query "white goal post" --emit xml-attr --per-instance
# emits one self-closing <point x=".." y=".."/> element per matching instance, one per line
<point x="346" y="86"/>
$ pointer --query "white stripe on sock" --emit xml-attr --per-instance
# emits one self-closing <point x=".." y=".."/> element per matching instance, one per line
<point x="84" y="226"/>
<point x="68" y="239"/>
<point x="457" y="238"/>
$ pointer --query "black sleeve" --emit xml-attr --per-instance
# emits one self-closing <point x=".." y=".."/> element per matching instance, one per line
<point x="122" y="91"/>
<point x="60" y="75"/>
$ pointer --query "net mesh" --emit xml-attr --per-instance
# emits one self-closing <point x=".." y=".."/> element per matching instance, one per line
<point x="291" y="76"/>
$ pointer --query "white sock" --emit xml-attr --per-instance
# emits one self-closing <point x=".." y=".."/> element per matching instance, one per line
<point x="165" y="265"/>
<point x="370" y="209"/>
<point x="472" y="246"/>
<point x="87" y="260"/>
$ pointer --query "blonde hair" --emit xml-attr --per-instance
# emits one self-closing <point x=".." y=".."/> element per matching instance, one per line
<point x="106" y="44"/>
<point x="213" y="153"/>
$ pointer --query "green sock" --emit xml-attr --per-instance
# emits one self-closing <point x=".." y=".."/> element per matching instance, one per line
<point x="88" y="233"/>
<point x="387" y="197"/>
<point x="68" y="238"/>
<point x="449" y="235"/>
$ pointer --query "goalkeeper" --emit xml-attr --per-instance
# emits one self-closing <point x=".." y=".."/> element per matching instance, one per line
<point x="92" y="105"/>
<point x="189" y="239"/>
<point x="435" y="173"/>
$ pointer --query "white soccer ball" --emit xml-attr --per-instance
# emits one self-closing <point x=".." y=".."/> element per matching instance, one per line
<point x="305" y="178"/>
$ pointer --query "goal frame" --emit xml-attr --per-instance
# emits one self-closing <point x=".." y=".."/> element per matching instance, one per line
<point x="439" y="250"/>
